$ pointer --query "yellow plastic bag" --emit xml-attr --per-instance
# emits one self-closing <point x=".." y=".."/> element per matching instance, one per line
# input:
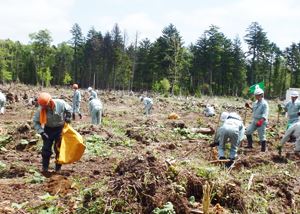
<point x="72" y="146"/>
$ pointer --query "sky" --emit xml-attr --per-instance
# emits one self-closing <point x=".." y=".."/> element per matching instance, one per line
<point x="280" y="19"/>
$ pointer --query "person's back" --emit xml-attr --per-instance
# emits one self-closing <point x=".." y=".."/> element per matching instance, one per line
<point x="233" y="130"/>
<point x="293" y="130"/>
<point x="148" y="101"/>
<point x="2" y="102"/>
<point x="209" y="111"/>
<point x="95" y="108"/>
<point x="292" y="108"/>
<point x="95" y="103"/>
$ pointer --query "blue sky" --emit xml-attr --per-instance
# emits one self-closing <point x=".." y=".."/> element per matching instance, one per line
<point x="279" y="18"/>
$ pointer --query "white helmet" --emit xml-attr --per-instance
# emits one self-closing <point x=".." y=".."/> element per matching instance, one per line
<point x="294" y="94"/>
<point x="258" y="91"/>
<point x="224" y="116"/>
<point x="90" y="88"/>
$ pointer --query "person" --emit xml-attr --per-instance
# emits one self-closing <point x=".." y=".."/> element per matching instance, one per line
<point x="294" y="130"/>
<point x="148" y="102"/>
<point x="95" y="108"/>
<point x="209" y="111"/>
<point x="293" y="109"/>
<point x="260" y="111"/>
<point x="93" y="93"/>
<point x="48" y="121"/>
<point x="2" y="103"/>
<point x="233" y="130"/>
<point x="76" y="102"/>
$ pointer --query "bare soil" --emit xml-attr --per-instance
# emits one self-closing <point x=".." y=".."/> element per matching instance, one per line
<point x="146" y="161"/>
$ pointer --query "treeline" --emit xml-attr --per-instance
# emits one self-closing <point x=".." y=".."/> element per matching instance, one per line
<point x="214" y="65"/>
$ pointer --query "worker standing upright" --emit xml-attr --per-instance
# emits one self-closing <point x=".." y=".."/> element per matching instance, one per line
<point x="260" y="112"/>
<point x="76" y="102"/>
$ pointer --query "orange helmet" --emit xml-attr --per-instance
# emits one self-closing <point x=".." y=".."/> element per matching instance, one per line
<point x="75" y="86"/>
<point x="44" y="99"/>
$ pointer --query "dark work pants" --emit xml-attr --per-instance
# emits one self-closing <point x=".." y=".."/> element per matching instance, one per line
<point x="54" y="137"/>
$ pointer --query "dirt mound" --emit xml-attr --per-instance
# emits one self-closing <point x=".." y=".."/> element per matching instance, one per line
<point x="13" y="172"/>
<point x="24" y="128"/>
<point x="145" y="135"/>
<point x="251" y="161"/>
<point x="284" y="187"/>
<point x="143" y="182"/>
<point x="195" y="186"/>
<point x="230" y="195"/>
<point x="58" y="184"/>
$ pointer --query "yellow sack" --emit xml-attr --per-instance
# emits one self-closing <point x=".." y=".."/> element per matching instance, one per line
<point x="72" y="147"/>
<point x="173" y="116"/>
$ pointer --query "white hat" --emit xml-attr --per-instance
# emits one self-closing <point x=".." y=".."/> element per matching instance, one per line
<point x="224" y="116"/>
<point x="90" y="88"/>
<point x="294" y="94"/>
<point x="234" y="115"/>
<point x="258" y="91"/>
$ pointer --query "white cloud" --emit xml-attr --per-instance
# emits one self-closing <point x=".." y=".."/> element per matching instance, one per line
<point x="20" y="18"/>
<point x="141" y="23"/>
<point x="279" y="18"/>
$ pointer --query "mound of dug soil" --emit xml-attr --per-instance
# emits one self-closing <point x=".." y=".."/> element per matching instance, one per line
<point x="144" y="184"/>
<point x="58" y="184"/>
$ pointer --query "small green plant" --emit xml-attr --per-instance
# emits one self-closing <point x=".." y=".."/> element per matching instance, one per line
<point x="168" y="208"/>
<point x="208" y="172"/>
<point x="2" y="166"/>
<point x="96" y="146"/>
<point x="36" y="177"/>
<point x="279" y="149"/>
<point x="19" y="206"/>
<point x="188" y="134"/>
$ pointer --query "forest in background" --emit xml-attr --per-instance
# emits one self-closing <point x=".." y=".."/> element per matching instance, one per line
<point x="213" y="65"/>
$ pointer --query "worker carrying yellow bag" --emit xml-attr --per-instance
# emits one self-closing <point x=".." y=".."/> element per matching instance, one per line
<point x="72" y="146"/>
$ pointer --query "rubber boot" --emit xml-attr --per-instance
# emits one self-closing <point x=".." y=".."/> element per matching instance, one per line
<point x="45" y="163"/>
<point x="263" y="146"/>
<point x="73" y="116"/>
<point x="215" y="143"/>
<point x="229" y="163"/>
<point x="250" y="141"/>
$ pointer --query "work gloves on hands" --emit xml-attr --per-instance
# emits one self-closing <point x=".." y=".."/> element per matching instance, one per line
<point x="260" y="122"/>
<point x="68" y="118"/>
<point x="44" y="136"/>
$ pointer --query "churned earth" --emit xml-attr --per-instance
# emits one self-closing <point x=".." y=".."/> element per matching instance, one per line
<point x="137" y="164"/>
